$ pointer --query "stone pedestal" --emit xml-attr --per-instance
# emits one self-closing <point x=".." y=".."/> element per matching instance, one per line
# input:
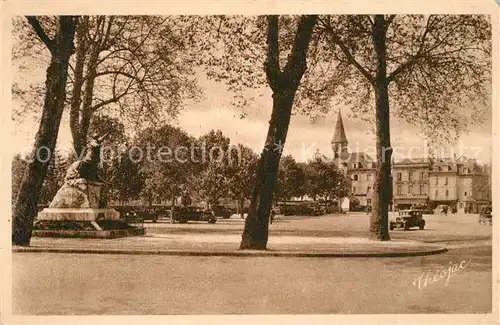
<point x="77" y="211"/>
<point x="78" y="214"/>
<point x="78" y="193"/>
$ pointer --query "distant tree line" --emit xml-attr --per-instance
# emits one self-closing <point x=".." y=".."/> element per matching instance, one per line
<point x="214" y="170"/>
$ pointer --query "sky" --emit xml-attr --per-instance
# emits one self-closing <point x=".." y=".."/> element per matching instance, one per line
<point x="305" y="137"/>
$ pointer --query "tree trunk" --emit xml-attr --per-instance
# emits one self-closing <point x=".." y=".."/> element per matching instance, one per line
<point x="25" y="209"/>
<point x="81" y="115"/>
<point x="78" y="81"/>
<point x="172" y="207"/>
<point x="255" y="234"/>
<point x="284" y="84"/>
<point x="379" y="220"/>
<point x="241" y="203"/>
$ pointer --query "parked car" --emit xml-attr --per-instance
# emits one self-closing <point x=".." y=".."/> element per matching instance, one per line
<point x="424" y="208"/>
<point x="441" y="209"/>
<point x="141" y="212"/>
<point x="131" y="217"/>
<point x="330" y="206"/>
<point x="193" y="213"/>
<point x="408" y="219"/>
<point x="305" y="208"/>
<point x="221" y="211"/>
<point x="485" y="215"/>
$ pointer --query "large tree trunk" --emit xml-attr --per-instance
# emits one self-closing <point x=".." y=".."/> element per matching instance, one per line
<point x="379" y="221"/>
<point x="172" y="207"/>
<point x="81" y="109"/>
<point x="241" y="203"/>
<point x="25" y="209"/>
<point x="255" y="234"/>
<point x="284" y="85"/>
<point x="78" y="81"/>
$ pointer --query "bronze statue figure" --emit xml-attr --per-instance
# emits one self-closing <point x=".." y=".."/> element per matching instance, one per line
<point x="87" y="168"/>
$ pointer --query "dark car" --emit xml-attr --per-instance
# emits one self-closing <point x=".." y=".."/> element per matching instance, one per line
<point x="221" y="211"/>
<point x="301" y="208"/>
<point x="408" y="219"/>
<point x="193" y="213"/>
<point x="441" y="209"/>
<point x="485" y="215"/>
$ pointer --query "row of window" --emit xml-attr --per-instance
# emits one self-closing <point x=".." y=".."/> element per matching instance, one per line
<point x="367" y="190"/>
<point x="399" y="176"/>
<point x="410" y="190"/>
<point x="358" y="177"/>
<point x="422" y="178"/>
<point x="359" y="165"/>
<point x="422" y="191"/>
<point x="410" y="178"/>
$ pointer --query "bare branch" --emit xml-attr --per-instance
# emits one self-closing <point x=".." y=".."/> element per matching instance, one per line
<point x="40" y="32"/>
<point x="350" y="58"/>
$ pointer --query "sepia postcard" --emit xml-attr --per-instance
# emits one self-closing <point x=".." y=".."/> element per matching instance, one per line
<point x="259" y="162"/>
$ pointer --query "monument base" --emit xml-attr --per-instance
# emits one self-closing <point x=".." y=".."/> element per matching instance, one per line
<point x="78" y="214"/>
<point x="102" y="234"/>
<point x="83" y="223"/>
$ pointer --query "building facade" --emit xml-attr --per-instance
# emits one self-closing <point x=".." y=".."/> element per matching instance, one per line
<point x="410" y="182"/>
<point x="461" y="183"/>
<point x="358" y="166"/>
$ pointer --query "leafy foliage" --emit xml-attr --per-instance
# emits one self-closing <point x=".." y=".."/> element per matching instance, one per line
<point x="291" y="179"/>
<point x="439" y="70"/>
<point x="325" y="180"/>
<point x="135" y="67"/>
<point x="164" y="167"/>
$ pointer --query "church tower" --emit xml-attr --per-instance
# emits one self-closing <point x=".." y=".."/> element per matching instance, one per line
<point x="339" y="141"/>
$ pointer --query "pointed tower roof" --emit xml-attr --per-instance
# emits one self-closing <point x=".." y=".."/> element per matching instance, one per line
<point x="339" y="134"/>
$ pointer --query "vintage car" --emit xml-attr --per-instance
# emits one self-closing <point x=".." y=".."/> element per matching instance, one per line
<point x="140" y="213"/>
<point x="485" y="215"/>
<point x="441" y="209"/>
<point x="300" y="208"/>
<point x="193" y="213"/>
<point x="408" y="219"/>
<point x="221" y="211"/>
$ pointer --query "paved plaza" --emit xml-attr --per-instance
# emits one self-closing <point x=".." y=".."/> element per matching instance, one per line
<point x="65" y="283"/>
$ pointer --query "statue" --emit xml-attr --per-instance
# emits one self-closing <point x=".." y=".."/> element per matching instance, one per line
<point x="87" y="168"/>
<point x="83" y="188"/>
<point x="80" y="205"/>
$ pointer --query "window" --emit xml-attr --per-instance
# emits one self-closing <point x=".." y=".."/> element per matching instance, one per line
<point x="369" y="177"/>
<point x="369" y="201"/>
<point x="360" y="165"/>
<point x="465" y="194"/>
<point x="421" y="189"/>
<point x="354" y="165"/>
<point x="410" y="188"/>
<point x="436" y="194"/>
<point x="368" y="189"/>
<point x="399" y="177"/>
<point x="354" y="189"/>
<point x="446" y="193"/>
<point x="355" y="177"/>
<point x="422" y="174"/>
<point x="437" y="180"/>
<point x="398" y="190"/>
<point x="409" y="176"/>
<point x="446" y="180"/>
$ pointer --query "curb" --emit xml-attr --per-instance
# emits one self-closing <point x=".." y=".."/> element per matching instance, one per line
<point x="234" y="253"/>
